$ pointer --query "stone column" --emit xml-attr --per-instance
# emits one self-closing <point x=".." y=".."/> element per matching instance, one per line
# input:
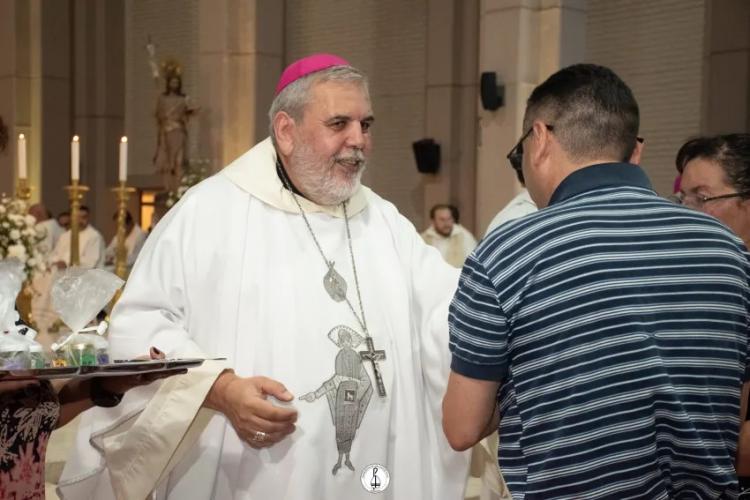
<point x="35" y="94"/>
<point x="240" y="60"/>
<point x="19" y="88"/>
<point x="523" y="41"/>
<point x="98" y="68"/>
<point x="726" y="103"/>
<point x="451" y="100"/>
<point x="12" y="27"/>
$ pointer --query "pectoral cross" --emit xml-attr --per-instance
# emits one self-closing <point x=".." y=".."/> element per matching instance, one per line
<point x="373" y="357"/>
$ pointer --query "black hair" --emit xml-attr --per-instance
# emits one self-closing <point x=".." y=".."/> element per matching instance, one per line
<point x="444" y="206"/>
<point x="593" y="112"/>
<point x="731" y="152"/>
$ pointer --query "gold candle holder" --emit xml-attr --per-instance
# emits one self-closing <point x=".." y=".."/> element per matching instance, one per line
<point x="23" y="301"/>
<point x="75" y="194"/>
<point x="23" y="190"/>
<point x="123" y="193"/>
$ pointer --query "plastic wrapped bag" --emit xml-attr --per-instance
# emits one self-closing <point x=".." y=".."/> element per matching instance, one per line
<point x="11" y="280"/>
<point x="14" y="352"/>
<point x="78" y="296"/>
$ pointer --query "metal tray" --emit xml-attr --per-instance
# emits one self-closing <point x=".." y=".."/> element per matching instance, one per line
<point x="39" y="373"/>
<point x="138" y="367"/>
<point x="118" y="368"/>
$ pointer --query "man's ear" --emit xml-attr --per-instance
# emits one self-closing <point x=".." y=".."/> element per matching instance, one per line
<point x="542" y="146"/>
<point x="635" y="158"/>
<point x="283" y="128"/>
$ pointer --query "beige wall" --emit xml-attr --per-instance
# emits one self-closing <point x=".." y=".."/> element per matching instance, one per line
<point x="657" y="48"/>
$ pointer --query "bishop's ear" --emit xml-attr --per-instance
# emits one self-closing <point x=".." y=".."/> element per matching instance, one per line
<point x="283" y="129"/>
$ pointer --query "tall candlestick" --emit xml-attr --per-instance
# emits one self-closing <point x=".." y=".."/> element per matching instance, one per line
<point x="75" y="193"/>
<point x="75" y="159"/>
<point x="123" y="159"/>
<point x="22" y="171"/>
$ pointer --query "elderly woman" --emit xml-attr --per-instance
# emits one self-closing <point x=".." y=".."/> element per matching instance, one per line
<point x="716" y="180"/>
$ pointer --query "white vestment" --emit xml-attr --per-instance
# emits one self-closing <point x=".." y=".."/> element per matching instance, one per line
<point x="133" y="244"/>
<point x="454" y="248"/>
<point x="52" y="232"/>
<point x="90" y="248"/>
<point x="520" y="205"/>
<point x="233" y="271"/>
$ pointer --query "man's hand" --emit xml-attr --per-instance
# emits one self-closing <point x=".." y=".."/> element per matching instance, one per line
<point x="243" y="401"/>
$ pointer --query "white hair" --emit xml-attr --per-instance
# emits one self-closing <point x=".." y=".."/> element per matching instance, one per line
<point x="294" y="97"/>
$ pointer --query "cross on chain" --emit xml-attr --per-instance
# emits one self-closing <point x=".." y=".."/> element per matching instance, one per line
<point x="373" y="357"/>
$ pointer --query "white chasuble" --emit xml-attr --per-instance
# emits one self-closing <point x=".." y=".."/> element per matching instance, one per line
<point x="233" y="271"/>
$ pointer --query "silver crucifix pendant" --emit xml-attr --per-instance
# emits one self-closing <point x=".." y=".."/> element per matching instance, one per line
<point x="373" y="357"/>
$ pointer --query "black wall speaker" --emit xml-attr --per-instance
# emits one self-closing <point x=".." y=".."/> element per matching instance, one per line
<point x="427" y="154"/>
<point x="493" y="95"/>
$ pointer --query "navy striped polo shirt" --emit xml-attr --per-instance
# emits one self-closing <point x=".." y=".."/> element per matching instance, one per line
<point x="616" y="324"/>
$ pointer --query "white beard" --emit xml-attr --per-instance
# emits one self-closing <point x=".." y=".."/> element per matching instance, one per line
<point x="324" y="189"/>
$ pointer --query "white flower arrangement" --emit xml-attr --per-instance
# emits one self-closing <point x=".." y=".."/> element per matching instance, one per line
<point x="195" y="171"/>
<point x="19" y="236"/>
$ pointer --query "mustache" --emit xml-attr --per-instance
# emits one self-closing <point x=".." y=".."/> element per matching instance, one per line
<point x="356" y="156"/>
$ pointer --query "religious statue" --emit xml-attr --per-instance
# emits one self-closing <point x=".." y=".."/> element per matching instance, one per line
<point x="173" y="111"/>
<point x="348" y="391"/>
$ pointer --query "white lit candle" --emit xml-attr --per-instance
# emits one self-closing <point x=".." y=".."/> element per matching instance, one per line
<point x="75" y="159"/>
<point x="22" y="171"/>
<point x="123" y="159"/>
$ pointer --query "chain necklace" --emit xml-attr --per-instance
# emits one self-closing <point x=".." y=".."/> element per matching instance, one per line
<point x="333" y="282"/>
<point x="335" y="285"/>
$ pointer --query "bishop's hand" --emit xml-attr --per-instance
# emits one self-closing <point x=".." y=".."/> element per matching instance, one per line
<point x="255" y="419"/>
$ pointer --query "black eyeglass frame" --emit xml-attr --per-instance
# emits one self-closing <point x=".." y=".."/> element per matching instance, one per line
<point x="515" y="155"/>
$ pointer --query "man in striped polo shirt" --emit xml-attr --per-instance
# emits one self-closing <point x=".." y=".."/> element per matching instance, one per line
<point x="606" y="333"/>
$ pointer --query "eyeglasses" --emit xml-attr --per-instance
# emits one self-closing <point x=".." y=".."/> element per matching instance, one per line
<point x="516" y="154"/>
<point x="697" y="201"/>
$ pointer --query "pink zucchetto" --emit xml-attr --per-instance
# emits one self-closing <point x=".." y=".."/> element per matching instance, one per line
<point x="307" y="65"/>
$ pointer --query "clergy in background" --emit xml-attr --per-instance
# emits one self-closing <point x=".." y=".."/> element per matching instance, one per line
<point x="134" y="239"/>
<point x="90" y="245"/>
<point x="453" y="241"/>
<point x="49" y="225"/>
<point x="330" y="308"/>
